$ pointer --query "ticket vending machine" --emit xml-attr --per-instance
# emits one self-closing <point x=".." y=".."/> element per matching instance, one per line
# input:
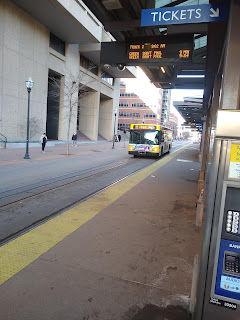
<point x="218" y="294"/>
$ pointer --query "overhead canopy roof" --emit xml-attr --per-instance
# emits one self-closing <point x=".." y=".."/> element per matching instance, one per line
<point x="190" y="109"/>
<point x="122" y="18"/>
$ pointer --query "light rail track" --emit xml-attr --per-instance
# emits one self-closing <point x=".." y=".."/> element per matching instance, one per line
<point x="48" y="183"/>
<point x="58" y="212"/>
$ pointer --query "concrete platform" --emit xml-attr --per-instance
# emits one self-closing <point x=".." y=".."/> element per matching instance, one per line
<point x="130" y="247"/>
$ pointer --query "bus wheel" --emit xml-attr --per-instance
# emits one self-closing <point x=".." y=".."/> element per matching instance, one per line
<point x="135" y="156"/>
<point x="160" y="155"/>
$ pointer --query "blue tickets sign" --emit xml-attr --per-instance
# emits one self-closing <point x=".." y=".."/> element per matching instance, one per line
<point x="185" y="14"/>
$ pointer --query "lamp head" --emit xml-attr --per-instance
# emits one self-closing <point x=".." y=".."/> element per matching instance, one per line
<point x="29" y="83"/>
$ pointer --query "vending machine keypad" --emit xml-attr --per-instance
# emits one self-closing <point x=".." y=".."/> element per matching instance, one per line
<point x="232" y="222"/>
<point x="232" y="264"/>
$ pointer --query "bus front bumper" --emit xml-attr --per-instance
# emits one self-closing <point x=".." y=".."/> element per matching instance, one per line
<point x="143" y="153"/>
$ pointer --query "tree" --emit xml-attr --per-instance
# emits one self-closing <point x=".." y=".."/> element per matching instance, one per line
<point x="34" y="129"/>
<point x="185" y="134"/>
<point x="69" y="90"/>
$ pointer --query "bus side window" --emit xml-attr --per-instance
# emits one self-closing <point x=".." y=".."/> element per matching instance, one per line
<point x="161" y="138"/>
<point x="165" y="137"/>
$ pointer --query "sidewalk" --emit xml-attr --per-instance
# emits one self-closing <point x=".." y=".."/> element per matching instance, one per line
<point x="122" y="254"/>
<point x="13" y="156"/>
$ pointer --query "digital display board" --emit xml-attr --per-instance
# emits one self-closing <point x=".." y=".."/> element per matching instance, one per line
<point x="159" y="49"/>
<point x="154" y="50"/>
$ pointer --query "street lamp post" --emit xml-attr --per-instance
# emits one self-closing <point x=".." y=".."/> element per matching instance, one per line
<point x="115" y="114"/>
<point x="29" y="84"/>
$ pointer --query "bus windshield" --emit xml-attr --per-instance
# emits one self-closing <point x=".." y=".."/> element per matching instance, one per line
<point x="144" y="137"/>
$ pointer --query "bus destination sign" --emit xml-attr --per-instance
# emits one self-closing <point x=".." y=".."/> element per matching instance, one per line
<point x="144" y="127"/>
<point x="163" y="49"/>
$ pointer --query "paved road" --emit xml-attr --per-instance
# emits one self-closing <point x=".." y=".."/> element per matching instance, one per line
<point x="19" y="172"/>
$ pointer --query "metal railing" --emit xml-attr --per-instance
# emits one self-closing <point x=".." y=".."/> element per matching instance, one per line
<point x="3" y="140"/>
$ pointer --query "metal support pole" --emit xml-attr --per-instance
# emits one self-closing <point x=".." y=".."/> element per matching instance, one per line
<point x="201" y="174"/>
<point x="27" y="142"/>
<point x="113" y="146"/>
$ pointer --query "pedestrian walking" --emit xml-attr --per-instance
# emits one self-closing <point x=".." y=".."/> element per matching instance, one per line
<point x="43" y="140"/>
<point x="119" y="137"/>
<point x="74" y="139"/>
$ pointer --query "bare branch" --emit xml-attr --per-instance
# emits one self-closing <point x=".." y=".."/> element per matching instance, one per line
<point x="74" y="88"/>
<point x="34" y="128"/>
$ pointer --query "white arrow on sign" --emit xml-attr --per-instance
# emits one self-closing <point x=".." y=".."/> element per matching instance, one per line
<point x="215" y="13"/>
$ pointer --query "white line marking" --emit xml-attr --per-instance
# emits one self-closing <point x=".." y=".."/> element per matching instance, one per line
<point x="182" y="160"/>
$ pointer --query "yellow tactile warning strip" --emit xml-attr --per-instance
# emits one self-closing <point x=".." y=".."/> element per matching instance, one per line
<point x="17" y="254"/>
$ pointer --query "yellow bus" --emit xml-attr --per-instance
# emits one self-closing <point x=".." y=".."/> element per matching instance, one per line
<point x="149" y="140"/>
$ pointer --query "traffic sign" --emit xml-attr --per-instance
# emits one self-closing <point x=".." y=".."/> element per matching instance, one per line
<point x="185" y="14"/>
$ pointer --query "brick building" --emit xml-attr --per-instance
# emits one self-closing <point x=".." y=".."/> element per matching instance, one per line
<point x="134" y="110"/>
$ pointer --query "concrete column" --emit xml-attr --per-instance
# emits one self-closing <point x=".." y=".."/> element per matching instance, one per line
<point x="211" y="119"/>
<point x="61" y="129"/>
<point x="216" y="97"/>
<point x="105" y="118"/>
<point x="214" y="48"/>
<point x="231" y="72"/>
<point x="89" y="107"/>
<point x="230" y="86"/>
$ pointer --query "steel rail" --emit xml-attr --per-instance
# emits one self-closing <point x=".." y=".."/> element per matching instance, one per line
<point x="57" y="181"/>
<point x="41" y="221"/>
